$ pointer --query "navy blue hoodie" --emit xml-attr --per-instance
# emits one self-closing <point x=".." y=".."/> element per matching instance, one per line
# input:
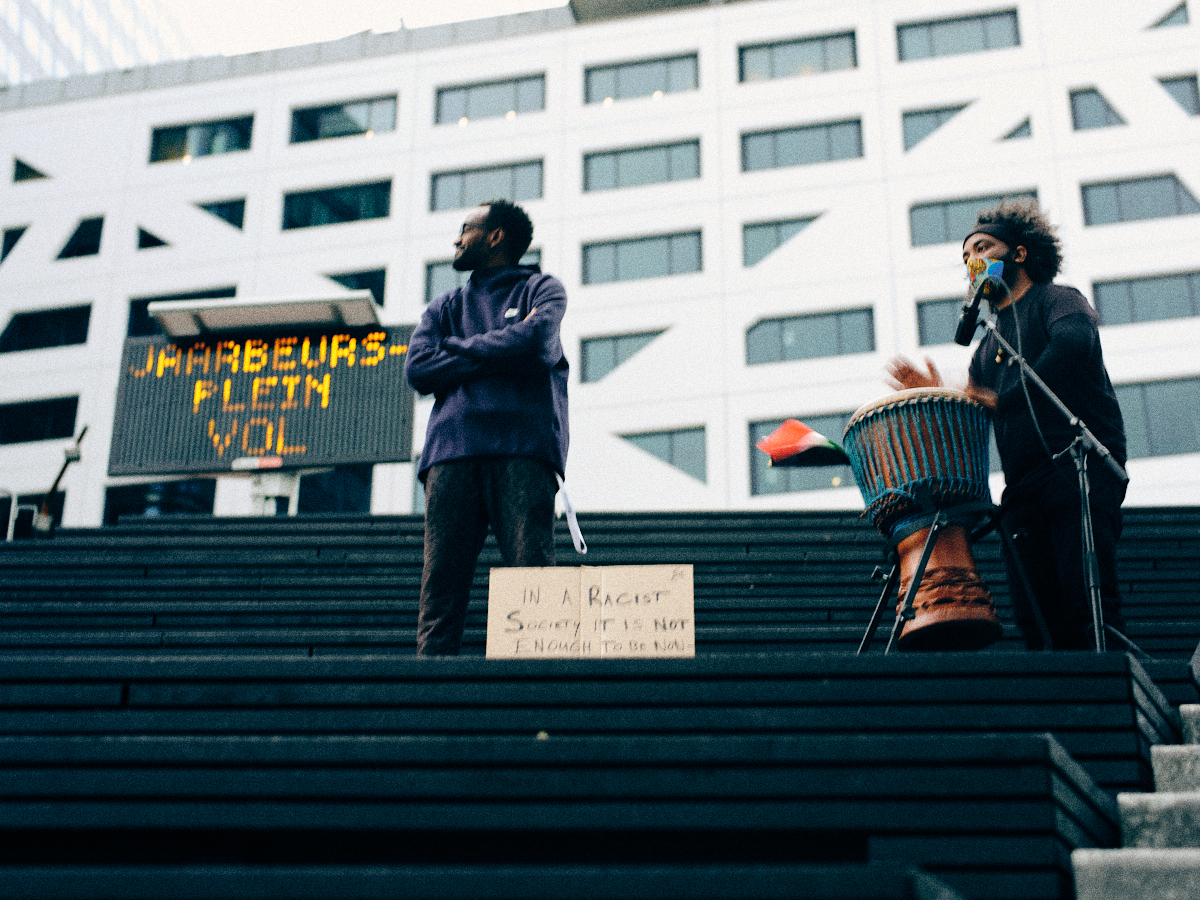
<point x="497" y="373"/>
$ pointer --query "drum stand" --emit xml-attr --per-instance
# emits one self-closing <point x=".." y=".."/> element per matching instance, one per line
<point x="1078" y="449"/>
<point x="936" y="520"/>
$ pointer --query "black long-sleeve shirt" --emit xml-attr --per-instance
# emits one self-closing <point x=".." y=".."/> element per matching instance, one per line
<point x="1060" y="338"/>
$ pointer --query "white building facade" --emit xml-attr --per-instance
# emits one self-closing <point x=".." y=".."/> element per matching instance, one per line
<point x="753" y="206"/>
<point x="57" y="38"/>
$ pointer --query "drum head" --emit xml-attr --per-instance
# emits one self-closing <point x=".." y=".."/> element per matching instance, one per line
<point x="908" y="396"/>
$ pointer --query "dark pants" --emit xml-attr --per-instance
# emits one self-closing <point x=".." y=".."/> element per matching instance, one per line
<point x="516" y="496"/>
<point x="1042" y="514"/>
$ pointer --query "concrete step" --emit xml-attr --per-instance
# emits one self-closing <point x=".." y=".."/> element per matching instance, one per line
<point x="1176" y="767"/>
<point x="1137" y="874"/>
<point x="1190" y="713"/>
<point x="1160" y="820"/>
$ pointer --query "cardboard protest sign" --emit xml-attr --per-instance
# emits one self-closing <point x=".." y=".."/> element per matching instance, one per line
<point x="591" y="612"/>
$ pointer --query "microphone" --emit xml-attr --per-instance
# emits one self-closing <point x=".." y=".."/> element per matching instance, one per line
<point x="991" y="270"/>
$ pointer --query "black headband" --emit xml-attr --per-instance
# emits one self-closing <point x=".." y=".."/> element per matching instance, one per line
<point x="1010" y="237"/>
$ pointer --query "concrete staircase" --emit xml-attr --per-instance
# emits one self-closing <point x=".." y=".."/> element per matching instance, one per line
<point x="1160" y="859"/>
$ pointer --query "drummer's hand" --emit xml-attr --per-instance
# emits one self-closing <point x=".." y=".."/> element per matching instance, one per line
<point x="903" y="374"/>
<point x="981" y="395"/>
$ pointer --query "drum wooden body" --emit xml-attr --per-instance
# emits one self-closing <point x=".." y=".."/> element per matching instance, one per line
<point x="909" y="450"/>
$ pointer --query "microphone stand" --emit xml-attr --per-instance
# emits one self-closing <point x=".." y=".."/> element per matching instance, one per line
<point x="1078" y="450"/>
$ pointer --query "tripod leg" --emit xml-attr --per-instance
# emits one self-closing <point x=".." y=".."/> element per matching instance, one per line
<point x="1038" y="618"/>
<point x="905" y="612"/>
<point x="888" y="587"/>
<point x="1091" y="568"/>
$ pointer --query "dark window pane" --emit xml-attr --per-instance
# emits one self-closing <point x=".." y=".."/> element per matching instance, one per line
<point x="46" y="328"/>
<point x="1185" y="92"/>
<point x="805" y="145"/>
<point x="373" y="280"/>
<point x="146" y="240"/>
<point x="1089" y="109"/>
<point x="331" y="206"/>
<point x="201" y="139"/>
<point x="948" y="220"/>
<point x="232" y="211"/>
<point x="937" y="320"/>
<point x="641" y="78"/>
<point x="1023" y="130"/>
<point x="490" y="99"/>
<point x="1177" y="16"/>
<point x="811" y="336"/>
<point x="86" y="239"/>
<point x="471" y="187"/>
<point x="949" y="37"/>
<point x="343" y="119"/>
<point x="37" y="420"/>
<point x="11" y="236"/>
<point x="683" y="449"/>
<point x="1136" y="199"/>
<point x="441" y="277"/>
<point x="599" y="356"/>
<point x="23" y="171"/>
<point x="919" y="125"/>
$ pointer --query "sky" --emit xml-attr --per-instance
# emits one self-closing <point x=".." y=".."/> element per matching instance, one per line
<point x="244" y="26"/>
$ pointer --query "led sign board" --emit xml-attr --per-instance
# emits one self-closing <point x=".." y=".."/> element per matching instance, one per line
<point x="266" y="399"/>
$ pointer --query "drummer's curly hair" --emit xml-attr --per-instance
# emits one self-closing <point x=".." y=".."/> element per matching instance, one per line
<point x="1024" y="217"/>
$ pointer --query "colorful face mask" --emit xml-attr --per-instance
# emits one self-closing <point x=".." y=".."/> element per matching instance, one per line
<point x="986" y="269"/>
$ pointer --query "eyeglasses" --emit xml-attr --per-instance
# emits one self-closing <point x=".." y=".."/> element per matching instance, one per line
<point x="467" y="225"/>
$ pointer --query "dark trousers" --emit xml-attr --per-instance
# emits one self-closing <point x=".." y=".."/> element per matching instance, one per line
<point x="515" y="495"/>
<point x="1042" y="514"/>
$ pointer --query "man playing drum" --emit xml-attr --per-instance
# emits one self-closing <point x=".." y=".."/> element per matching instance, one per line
<point x="1056" y="330"/>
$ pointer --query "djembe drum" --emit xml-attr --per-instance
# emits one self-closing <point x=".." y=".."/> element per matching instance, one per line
<point x="914" y="453"/>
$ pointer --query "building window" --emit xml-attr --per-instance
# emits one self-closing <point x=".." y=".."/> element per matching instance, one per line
<point x="949" y="37"/>
<point x="231" y="211"/>
<point x="441" y="276"/>
<point x="472" y="187"/>
<point x="140" y="323"/>
<point x="645" y="78"/>
<point x="1160" y="417"/>
<point x="937" y="320"/>
<point x="344" y="489"/>
<point x="1089" y="109"/>
<point x="147" y="240"/>
<point x="768" y="479"/>
<point x="1177" y="16"/>
<point x="599" y="356"/>
<point x="23" y="171"/>
<point x="948" y="220"/>
<point x="1148" y="299"/>
<point x="192" y="496"/>
<point x="11" y="236"/>
<point x="1023" y="130"/>
<point x="806" y="56"/>
<point x="922" y="123"/>
<point x="641" y="165"/>
<point x="491" y="100"/>
<point x="37" y="420"/>
<point x="201" y="139"/>
<point x="46" y="328"/>
<point x="802" y="146"/>
<point x="649" y="257"/>
<point x="684" y="449"/>
<point x="344" y="119"/>
<point x="373" y="280"/>
<point x="760" y="239"/>
<point x="810" y="337"/>
<point x="333" y="206"/>
<point x="86" y="239"/>
<point x="1185" y="92"/>
<point x="1158" y="197"/>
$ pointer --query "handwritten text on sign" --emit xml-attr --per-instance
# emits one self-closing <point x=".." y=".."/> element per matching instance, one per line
<point x="591" y="611"/>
